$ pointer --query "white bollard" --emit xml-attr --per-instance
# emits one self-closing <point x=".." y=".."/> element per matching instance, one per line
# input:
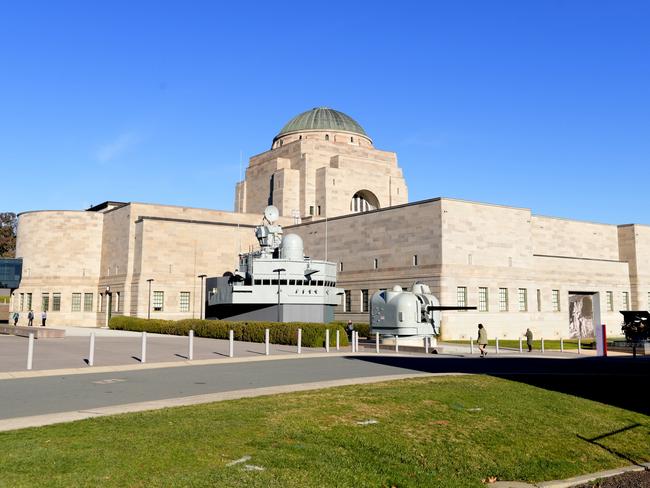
<point x="299" y="341"/>
<point x="190" y="345"/>
<point x="327" y="340"/>
<point x="267" y="348"/>
<point x="30" y="351"/>
<point x="579" y="346"/>
<point x="471" y="346"/>
<point x="497" y="346"/>
<point x="561" y="344"/>
<point x="542" y="345"/>
<point x="231" y="344"/>
<point x="338" y="340"/>
<point x="91" y="352"/>
<point x="354" y="341"/>
<point x="521" y="345"/>
<point x="396" y="344"/>
<point x="426" y="345"/>
<point x="143" y="349"/>
<point x="377" y="342"/>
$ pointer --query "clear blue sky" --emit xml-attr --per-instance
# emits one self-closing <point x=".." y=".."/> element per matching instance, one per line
<point x="535" y="104"/>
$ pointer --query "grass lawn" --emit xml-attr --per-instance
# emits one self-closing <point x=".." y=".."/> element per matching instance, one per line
<point x="443" y="431"/>
<point x="549" y="344"/>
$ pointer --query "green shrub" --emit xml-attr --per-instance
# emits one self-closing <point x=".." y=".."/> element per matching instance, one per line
<point x="313" y="335"/>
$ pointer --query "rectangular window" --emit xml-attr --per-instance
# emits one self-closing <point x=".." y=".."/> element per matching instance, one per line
<point x="116" y="307"/>
<point x="503" y="299"/>
<point x="415" y="260"/>
<point x="56" y="302"/>
<point x="88" y="302"/>
<point x="610" y="301"/>
<point x="461" y="296"/>
<point x="22" y="302"/>
<point x="626" y="300"/>
<point x="539" y="300"/>
<point x="28" y="296"/>
<point x="348" y="301"/>
<point x="185" y="301"/>
<point x="364" y="300"/>
<point x="158" y="300"/>
<point x="375" y="263"/>
<point x="311" y="210"/>
<point x="555" y="300"/>
<point x="100" y="302"/>
<point x="341" y="266"/>
<point x="45" y="302"/>
<point x="523" y="299"/>
<point x="483" y="299"/>
<point x="76" y="302"/>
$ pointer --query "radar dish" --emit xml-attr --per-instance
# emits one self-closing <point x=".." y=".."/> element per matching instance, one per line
<point x="271" y="213"/>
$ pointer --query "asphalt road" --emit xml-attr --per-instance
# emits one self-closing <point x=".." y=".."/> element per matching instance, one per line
<point x="612" y="380"/>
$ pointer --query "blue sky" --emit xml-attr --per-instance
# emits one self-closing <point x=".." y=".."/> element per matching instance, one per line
<point x="541" y="104"/>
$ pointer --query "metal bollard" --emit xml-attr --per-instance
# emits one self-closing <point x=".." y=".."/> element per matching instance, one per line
<point x="327" y="340"/>
<point x="30" y="351"/>
<point x="497" y="346"/>
<point x="426" y="345"/>
<point x="471" y="346"/>
<point x="355" y="344"/>
<point x="299" y="341"/>
<point x="91" y="352"/>
<point x="356" y="340"/>
<point x="579" y="346"/>
<point x="143" y="349"/>
<point x="542" y="345"/>
<point x="521" y="345"/>
<point x="377" y="342"/>
<point x="267" y="348"/>
<point x="338" y="341"/>
<point x="396" y="344"/>
<point x="561" y="344"/>
<point x="231" y="344"/>
<point x="190" y="345"/>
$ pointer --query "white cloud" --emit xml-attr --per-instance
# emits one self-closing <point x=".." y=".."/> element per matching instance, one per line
<point x="113" y="149"/>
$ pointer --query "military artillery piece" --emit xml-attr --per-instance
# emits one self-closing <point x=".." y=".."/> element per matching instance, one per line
<point x="636" y="327"/>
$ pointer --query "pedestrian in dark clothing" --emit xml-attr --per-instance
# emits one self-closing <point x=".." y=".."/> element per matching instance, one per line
<point x="529" y="339"/>
<point x="30" y="318"/>
<point x="349" y="328"/>
<point x="43" y="318"/>
<point x="16" y="317"/>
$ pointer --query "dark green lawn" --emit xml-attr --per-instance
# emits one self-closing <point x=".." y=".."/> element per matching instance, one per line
<point x="443" y="431"/>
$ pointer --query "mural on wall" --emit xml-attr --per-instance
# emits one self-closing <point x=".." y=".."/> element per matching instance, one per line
<point x="581" y="316"/>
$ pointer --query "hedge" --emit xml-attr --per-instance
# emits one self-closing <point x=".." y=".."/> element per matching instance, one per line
<point x="313" y="335"/>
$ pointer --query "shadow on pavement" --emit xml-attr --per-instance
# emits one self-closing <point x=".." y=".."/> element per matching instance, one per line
<point x="620" y="382"/>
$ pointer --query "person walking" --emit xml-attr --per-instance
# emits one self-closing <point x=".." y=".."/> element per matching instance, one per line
<point x="16" y="317"/>
<point x="349" y="328"/>
<point x="482" y="340"/>
<point x="30" y="318"/>
<point x="43" y="318"/>
<point x="529" y="339"/>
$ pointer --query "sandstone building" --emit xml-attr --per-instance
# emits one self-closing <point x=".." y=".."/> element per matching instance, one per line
<point x="349" y="202"/>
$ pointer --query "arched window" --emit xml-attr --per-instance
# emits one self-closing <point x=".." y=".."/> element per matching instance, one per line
<point x="327" y="137"/>
<point x="363" y="201"/>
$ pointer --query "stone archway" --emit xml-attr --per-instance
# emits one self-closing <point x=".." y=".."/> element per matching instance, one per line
<point x="363" y="201"/>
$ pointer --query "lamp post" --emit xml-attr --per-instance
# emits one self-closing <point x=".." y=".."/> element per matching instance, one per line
<point x="278" y="271"/>
<point x="201" y="309"/>
<point x="149" y="303"/>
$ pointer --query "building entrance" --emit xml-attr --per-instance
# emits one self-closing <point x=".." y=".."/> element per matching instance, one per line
<point x="584" y="313"/>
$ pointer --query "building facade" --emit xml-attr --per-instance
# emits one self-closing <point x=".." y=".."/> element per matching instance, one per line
<point x="349" y="203"/>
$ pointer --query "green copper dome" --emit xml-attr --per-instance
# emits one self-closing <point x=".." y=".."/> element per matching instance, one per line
<point x="322" y="118"/>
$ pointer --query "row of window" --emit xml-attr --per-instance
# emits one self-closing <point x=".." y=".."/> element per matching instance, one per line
<point x="522" y="299"/>
<point x="504" y="305"/>
<point x="415" y="261"/>
<point x="295" y="282"/>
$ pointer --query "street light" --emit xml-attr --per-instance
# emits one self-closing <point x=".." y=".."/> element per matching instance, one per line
<point x="201" y="304"/>
<point x="278" y="271"/>
<point x="149" y="304"/>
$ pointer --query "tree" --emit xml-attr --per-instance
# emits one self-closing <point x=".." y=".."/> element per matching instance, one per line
<point x="8" y="222"/>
